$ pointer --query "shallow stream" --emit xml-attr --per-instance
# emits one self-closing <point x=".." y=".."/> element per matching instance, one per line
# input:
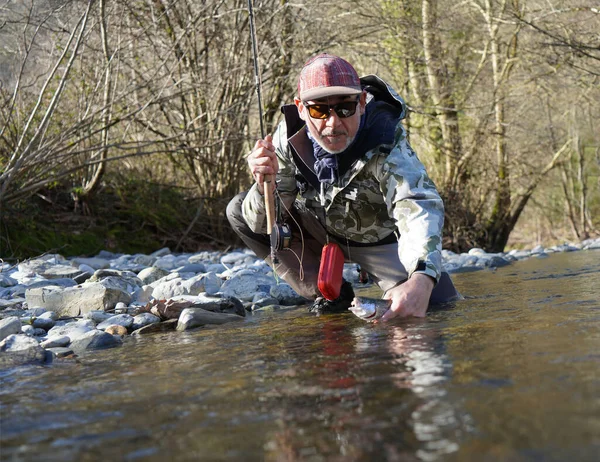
<point x="510" y="373"/>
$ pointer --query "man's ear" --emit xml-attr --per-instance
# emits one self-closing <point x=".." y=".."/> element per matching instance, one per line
<point x="362" y="101"/>
<point x="301" y="108"/>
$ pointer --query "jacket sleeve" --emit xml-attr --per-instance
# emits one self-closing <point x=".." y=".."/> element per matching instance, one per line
<point x="253" y="207"/>
<point x="416" y="207"/>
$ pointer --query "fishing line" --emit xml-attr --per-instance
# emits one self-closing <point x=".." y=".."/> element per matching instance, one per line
<point x="301" y="259"/>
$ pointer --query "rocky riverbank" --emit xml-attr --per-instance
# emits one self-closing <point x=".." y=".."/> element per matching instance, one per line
<point x="52" y="307"/>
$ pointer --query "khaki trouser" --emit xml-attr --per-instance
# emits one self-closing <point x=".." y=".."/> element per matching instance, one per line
<point x="299" y="264"/>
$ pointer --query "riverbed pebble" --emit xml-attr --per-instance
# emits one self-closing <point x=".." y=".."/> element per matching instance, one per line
<point x="82" y="304"/>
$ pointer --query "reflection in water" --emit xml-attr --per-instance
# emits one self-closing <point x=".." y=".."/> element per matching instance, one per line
<point x="510" y="373"/>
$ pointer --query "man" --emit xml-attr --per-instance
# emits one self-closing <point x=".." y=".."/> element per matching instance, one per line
<point x="346" y="174"/>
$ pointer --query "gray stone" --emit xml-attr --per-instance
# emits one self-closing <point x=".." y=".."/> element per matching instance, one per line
<point x="229" y="305"/>
<point x="216" y="268"/>
<point x="36" y="312"/>
<point x="196" y="317"/>
<point x="152" y="274"/>
<point x="9" y="326"/>
<point x="56" y="341"/>
<point x="94" y="340"/>
<point x="74" y="301"/>
<point x="237" y="258"/>
<point x="7" y="281"/>
<point x="170" y="262"/>
<point x="21" y="349"/>
<point x="60" y="352"/>
<point x="286" y="295"/>
<point x="27" y="329"/>
<point x="245" y="285"/>
<point x="47" y="315"/>
<point x="192" y="268"/>
<point x="161" y="252"/>
<point x="72" y="329"/>
<point x="169" y="289"/>
<point x="119" y="277"/>
<point x="165" y="326"/>
<point x="13" y="304"/>
<point x="59" y="272"/>
<point x="59" y="282"/>
<point x="144" y="319"/>
<point x="263" y="302"/>
<point x="97" y="316"/>
<point x="267" y="308"/>
<point x="94" y="263"/>
<point x="142" y="294"/>
<point x="124" y="320"/>
<point x="144" y="260"/>
<point x="44" y="323"/>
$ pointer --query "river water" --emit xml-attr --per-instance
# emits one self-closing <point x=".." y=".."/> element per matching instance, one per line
<point x="510" y="373"/>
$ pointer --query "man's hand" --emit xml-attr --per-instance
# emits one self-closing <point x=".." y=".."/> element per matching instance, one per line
<point x="410" y="298"/>
<point x="263" y="161"/>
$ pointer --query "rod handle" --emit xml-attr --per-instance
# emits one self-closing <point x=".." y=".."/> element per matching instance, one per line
<point x="269" y="202"/>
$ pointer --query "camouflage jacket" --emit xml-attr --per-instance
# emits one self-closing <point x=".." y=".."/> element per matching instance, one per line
<point x="385" y="192"/>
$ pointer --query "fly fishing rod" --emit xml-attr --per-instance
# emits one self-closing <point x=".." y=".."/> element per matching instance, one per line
<point x="268" y="179"/>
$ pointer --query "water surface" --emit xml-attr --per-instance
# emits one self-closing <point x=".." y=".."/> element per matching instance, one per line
<point x="510" y="373"/>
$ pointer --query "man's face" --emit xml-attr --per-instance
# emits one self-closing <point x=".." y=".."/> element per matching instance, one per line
<point x="333" y="133"/>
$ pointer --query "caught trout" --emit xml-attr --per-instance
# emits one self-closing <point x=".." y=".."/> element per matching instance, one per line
<point x="369" y="309"/>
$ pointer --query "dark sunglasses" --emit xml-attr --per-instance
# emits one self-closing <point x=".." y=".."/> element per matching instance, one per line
<point x="322" y="111"/>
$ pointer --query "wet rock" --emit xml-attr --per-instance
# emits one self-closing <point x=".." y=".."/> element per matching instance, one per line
<point x="116" y="330"/>
<point x="21" y="349"/>
<point x="125" y="320"/>
<point x="144" y="319"/>
<point x="9" y="326"/>
<point x="196" y="317"/>
<point x="165" y="326"/>
<point x="74" y="301"/>
<point x="56" y="341"/>
<point x="263" y="302"/>
<point x="94" y="340"/>
<point x="230" y="305"/>
<point x="60" y="352"/>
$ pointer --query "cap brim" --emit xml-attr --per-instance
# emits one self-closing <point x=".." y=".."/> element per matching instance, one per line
<point x="322" y="92"/>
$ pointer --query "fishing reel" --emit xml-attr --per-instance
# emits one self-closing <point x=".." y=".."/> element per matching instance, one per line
<point x="281" y="236"/>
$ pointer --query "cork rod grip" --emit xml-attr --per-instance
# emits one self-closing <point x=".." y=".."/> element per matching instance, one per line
<point x="269" y="203"/>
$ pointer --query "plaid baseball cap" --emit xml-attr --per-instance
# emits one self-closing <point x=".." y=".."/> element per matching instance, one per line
<point x="327" y="75"/>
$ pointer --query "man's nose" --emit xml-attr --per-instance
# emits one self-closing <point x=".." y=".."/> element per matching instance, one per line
<point x="333" y="120"/>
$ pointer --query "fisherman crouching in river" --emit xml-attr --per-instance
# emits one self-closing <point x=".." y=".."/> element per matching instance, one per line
<point x="346" y="175"/>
